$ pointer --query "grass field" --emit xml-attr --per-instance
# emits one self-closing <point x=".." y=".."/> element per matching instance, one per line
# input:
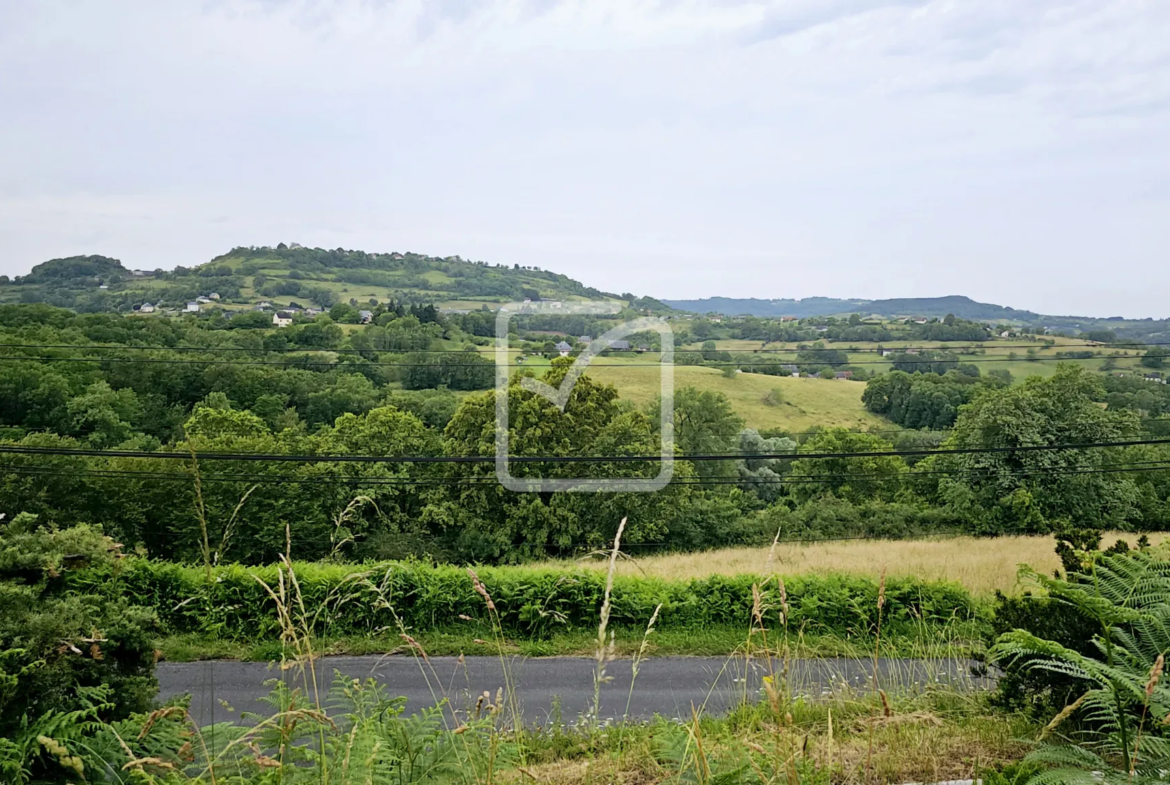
<point x="982" y="565"/>
<point x="806" y="402"/>
<point x="996" y="355"/>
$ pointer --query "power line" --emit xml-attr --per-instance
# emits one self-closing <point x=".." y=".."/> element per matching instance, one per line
<point x="376" y="363"/>
<point x="820" y="478"/>
<point x="300" y="458"/>
<point x="262" y="350"/>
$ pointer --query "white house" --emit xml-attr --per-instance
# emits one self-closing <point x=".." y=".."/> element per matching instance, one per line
<point x="365" y="316"/>
<point x="213" y="296"/>
<point x="202" y="300"/>
<point x="146" y="308"/>
<point x="192" y="307"/>
<point x="282" y="318"/>
<point x="564" y="349"/>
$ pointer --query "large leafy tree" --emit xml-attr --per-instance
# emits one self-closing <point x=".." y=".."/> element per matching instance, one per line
<point x="486" y="521"/>
<point x="704" y="424"/>
<point x="859" y="479"/>
<point x="1021" y="490"/>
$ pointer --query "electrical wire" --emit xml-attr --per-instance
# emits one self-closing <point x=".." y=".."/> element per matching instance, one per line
<point x="976" y="360"/>
<point x="300" y="458"/>
<point x="819" y="478"/>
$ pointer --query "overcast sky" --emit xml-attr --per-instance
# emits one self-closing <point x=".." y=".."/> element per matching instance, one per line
<point x="1016" y="151"/>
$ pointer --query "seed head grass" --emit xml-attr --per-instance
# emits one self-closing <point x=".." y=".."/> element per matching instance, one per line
<point x="982" y="565"/>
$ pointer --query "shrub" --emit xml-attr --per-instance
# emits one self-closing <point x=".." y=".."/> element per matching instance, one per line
<point x="1122" y="698"/>
<point x="57" y="645"/>
<point x="424" y="597"/>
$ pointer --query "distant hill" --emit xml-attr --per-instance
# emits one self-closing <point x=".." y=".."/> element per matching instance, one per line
<point x="729" y="306"/>
<point x="287" y="274"/>
<point x="963" y="307"/>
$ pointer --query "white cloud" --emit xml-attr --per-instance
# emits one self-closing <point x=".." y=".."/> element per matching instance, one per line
<point x="1010" y="151"/>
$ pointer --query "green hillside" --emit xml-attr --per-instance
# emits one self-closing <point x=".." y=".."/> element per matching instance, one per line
<point x="311" y="277"/>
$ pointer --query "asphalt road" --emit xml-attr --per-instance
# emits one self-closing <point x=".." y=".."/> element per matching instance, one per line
<point x="666" y="686"/>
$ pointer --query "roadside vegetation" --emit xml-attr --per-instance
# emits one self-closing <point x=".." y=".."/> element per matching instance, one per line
<point x="358" y="733"/>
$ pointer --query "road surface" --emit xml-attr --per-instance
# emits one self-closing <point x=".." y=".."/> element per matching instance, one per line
<point x="666" y="686"/>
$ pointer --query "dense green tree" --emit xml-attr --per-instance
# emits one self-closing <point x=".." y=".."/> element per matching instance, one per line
<point x="923" y="400"/>
<point x="1155" y="357"/>
<point x="763" y="476"/>
<point x="63" y="650"/>
<point x="704" y="424"/>
<point x="870" y="477"/>
<point x="490" y="523"/>
<point x="1012" y="490"/>
<point x="104" y="416"/>
<point x="928" y="361"/>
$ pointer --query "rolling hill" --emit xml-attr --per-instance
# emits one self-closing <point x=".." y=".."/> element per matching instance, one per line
<point x="317" y="277"/>
<point x="285" y="274"/>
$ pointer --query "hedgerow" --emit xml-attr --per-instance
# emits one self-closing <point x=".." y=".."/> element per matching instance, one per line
<point x="347" y="599"/>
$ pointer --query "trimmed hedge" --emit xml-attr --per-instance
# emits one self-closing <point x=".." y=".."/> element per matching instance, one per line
<point x="530" y="601"/>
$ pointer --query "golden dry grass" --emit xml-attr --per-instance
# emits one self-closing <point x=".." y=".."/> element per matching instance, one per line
<point x="983" y="565"/>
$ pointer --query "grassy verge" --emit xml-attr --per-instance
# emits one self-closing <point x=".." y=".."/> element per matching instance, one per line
<point x="357" y="736"/>
<point x="928" y="738"/>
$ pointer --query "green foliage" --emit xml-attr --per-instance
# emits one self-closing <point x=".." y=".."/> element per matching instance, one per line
<point x="1155" y="357"/>
<point x="461" y="371"/>
<point x="704" y="424"/>
<point x="762" y="476"/>
<point x="57" y="645"/>
<point x="830" y="517"/>
<point x="929" y="361"/>
<point x="1118" y="734"/>
<point x="362" y="599"/>
<point x="1024" y="491"/>
<point x="875" y="477"/>
<point x="923" y="400"/>
<point x="56" y="271"/>
<point x="818" y="356"/>
<point x="486" y="523"/>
